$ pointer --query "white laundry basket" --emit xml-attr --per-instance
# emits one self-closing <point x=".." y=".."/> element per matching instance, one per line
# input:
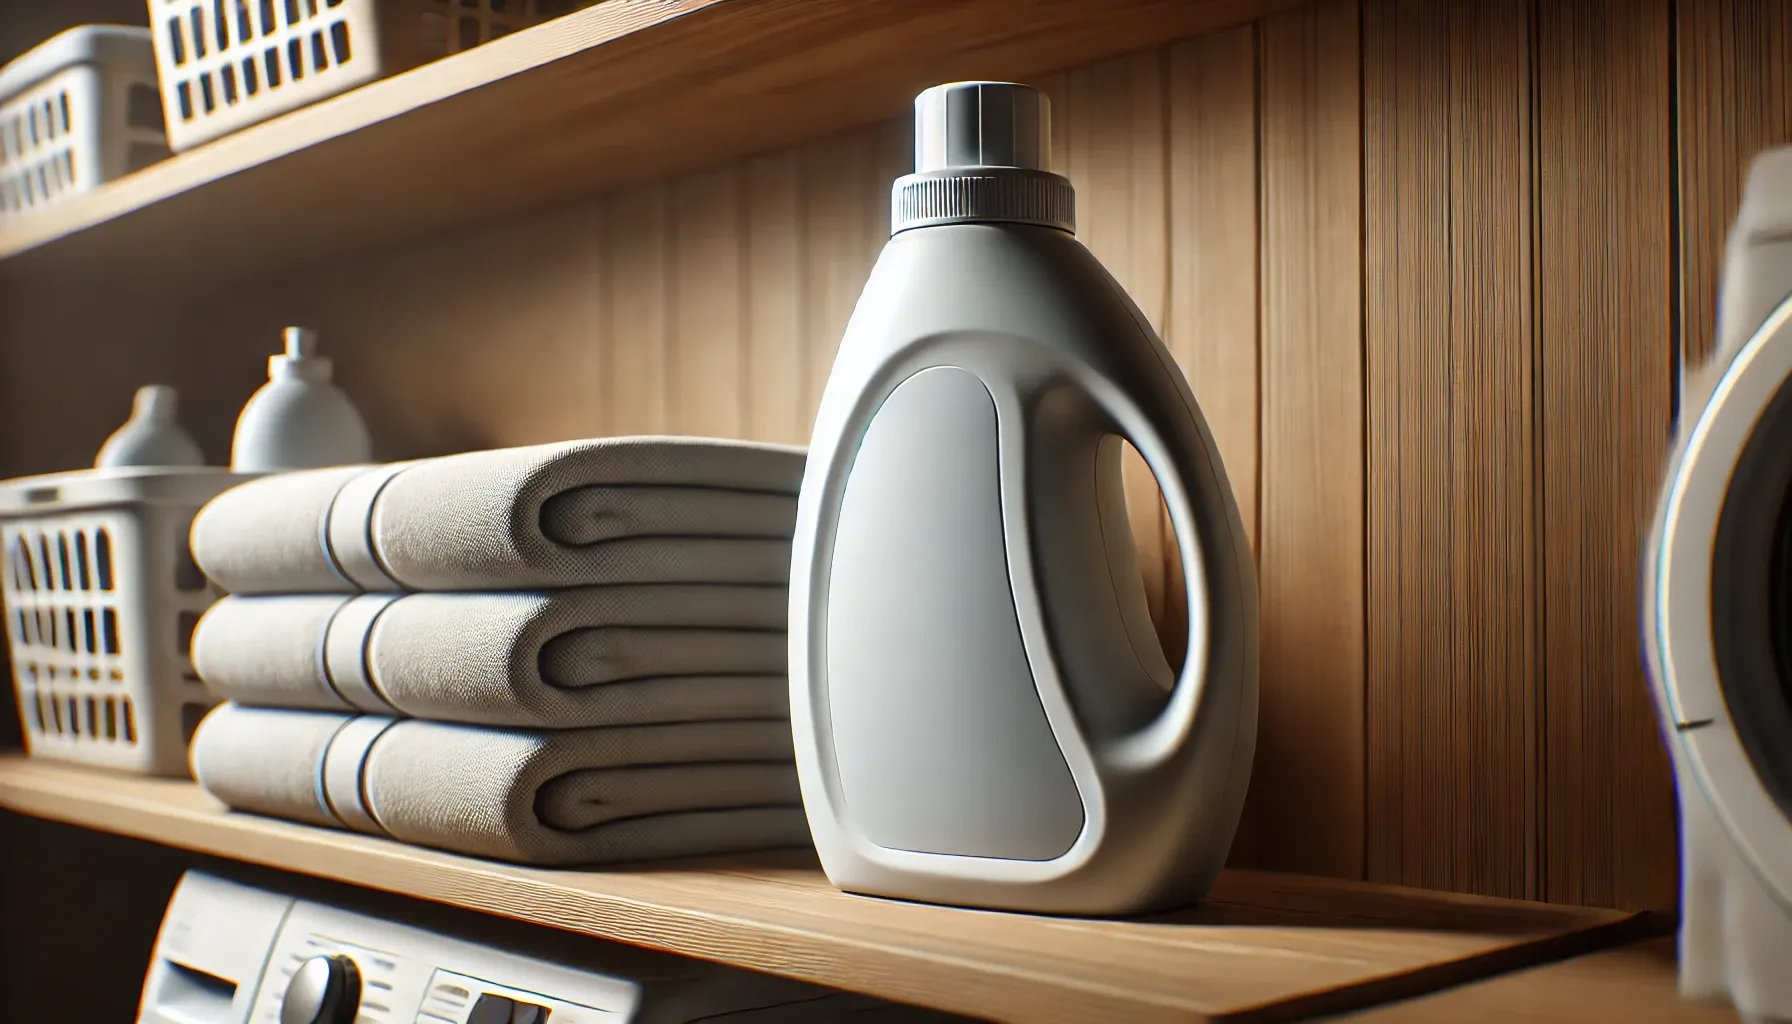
<point x="227" y="64"/>
<point x="75" y="112"/>
<point x="101" y="596"/>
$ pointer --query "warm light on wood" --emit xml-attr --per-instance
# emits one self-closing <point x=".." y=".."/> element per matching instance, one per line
<point x="1275" y="946"/>
<point x="623" y="92"/>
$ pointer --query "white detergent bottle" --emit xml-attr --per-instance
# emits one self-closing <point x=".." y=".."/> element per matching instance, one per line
<point x="299" y="419"/>
<point x="983" y="715"/>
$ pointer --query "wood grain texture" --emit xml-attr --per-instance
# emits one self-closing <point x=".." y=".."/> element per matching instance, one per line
<point x="655" y="87"/>
<point x="708" y="384"/>
<point x="1734" y="99"/>
<point x="1213" y="211"/>
<point x="1112" y="141"/>
<point x="1491" y="818"/>
<point x="777" y="369"/>
<point x="845" y="200"/>
<point x="1637" y="984"/>
<point x="1310" y="754"/>
<point x="1606" y="340"/>
<point x="1266" y="947"/>
<point x="1211" y="319"/>
<point x="1407" y="349"/>
<point x="639" y="307"/>
<point x="1451" y="454"/>
<point x="431" y="344"/>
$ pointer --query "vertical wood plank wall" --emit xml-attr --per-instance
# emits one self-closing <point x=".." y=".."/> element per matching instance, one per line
<point x="1431" y="269"/>
<point x="1604" y="283"/>
<point x="1453" y="763"/>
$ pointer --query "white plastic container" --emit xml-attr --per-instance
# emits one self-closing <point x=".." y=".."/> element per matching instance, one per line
<point x="227" y="64"/>
<point x="77" y="111"/>
<point x="101" y="598"/>
<point x="299" y="419"/>
<point x="981" y="710"/>
<point x="152" y="436"/>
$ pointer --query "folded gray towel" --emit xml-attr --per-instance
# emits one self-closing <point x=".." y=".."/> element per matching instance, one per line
<point x="615" y="510"/>
<point x="591" y="656"/>
<point x="558" y="799"/>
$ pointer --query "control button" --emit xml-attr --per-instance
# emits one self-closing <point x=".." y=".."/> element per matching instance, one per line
<point x="324" y="990"/>
<point x="492" y="1009"/>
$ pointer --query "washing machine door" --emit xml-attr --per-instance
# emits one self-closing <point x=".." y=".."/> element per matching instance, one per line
<point x="1718" y="599"/>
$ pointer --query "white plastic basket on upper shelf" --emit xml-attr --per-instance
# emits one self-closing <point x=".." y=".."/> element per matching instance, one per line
<point x="77" y="111"/>
<point x="228" y="64"/>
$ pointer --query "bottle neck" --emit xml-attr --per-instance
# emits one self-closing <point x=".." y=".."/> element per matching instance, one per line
<point x="303" y="370"/>
<point x="154" y="404"/>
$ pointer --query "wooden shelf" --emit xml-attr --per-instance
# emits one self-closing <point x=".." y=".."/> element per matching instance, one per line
<point x="1637" y="984"/>
<point x="626" y="91"/>
<point x="1265" y="947"/>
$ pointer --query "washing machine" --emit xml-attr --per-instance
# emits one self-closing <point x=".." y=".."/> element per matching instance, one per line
<point x="234" y="953"/>
<point x="1717" y="621"/>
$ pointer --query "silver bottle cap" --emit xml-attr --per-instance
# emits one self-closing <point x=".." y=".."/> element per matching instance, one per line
<point x="982" y="124"/>
<point x="982" y="155"/>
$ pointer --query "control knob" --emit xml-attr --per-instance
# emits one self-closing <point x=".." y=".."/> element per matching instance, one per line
<point x="324" y="990"/>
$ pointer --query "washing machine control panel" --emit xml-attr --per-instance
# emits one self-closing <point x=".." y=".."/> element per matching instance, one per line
<point x="458" y="999"/>
<point x="318" y="976"/>
<point x="233" y="954"/>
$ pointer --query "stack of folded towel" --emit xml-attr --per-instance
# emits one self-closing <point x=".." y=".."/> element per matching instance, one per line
<point x="558" y="655"/>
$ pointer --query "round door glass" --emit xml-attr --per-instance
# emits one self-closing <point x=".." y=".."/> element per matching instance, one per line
<point x="1751" y="597"/>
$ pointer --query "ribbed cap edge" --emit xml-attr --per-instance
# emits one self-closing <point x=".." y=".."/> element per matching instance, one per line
<point x="983" y="194"/>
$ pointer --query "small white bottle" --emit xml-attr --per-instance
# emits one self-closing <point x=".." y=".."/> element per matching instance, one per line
<point x="152" y="436"/>
<point x="299" y="419"/>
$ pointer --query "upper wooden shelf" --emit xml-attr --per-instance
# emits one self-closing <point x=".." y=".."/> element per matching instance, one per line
<point x="1264" y="947"/>
<point x="622" y="92"/>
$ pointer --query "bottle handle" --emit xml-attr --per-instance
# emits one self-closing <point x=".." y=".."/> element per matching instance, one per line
<point x="1172" y="465"/>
